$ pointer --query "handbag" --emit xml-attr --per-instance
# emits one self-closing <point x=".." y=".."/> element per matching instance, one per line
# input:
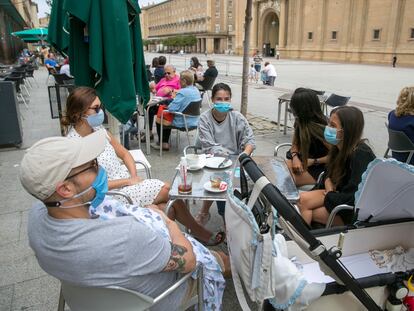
<point x="168" y="117"/>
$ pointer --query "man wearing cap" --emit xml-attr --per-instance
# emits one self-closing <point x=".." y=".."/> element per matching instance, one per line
<point x="209" y="75"/>
<point x="70" y="245"/>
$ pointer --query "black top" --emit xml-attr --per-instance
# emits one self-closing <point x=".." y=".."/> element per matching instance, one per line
<point x="159" y="74"/>
<point x="211" y="72"/>
<point x="345" y="191"/>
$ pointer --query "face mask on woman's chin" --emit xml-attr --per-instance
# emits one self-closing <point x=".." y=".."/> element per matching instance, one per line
<point x="222" y="107"/>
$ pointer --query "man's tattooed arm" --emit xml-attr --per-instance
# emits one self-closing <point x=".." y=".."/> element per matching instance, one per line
<point x="177" y="261"/>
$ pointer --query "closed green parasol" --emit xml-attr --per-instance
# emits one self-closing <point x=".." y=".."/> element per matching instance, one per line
<point x="104" y="44"/>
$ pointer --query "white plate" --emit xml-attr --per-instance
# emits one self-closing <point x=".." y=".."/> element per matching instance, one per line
<point x="216" y="161"/>
<point x="201" y="163"/>
<point x="207" y="186"/>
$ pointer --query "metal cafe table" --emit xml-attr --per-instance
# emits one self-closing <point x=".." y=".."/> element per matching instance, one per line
<point x="275" y="170"/>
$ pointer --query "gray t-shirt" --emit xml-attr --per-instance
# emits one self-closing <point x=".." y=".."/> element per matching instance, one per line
<point x="230" y="136"/>
<point x="93" y="252"/>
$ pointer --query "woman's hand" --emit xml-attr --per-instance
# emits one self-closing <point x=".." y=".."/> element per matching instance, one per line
<point x="329" y="186"/>
<point x="297" y="166"/>
<point x="134" y="180"/>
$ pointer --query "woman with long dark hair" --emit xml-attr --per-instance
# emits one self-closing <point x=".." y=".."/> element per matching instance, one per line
<point x="349" y="157"/>
<point x="308" y="155"/>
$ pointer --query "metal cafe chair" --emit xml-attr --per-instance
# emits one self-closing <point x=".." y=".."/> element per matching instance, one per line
<point x="335" y="101"/>
<point x="111" y="298"/>
<point x="400" y="143"/>
<point x="192" y="110"/>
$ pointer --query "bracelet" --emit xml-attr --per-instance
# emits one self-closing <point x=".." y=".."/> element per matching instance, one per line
<point x="315" y="161"/>
<point x="294" y="154"/>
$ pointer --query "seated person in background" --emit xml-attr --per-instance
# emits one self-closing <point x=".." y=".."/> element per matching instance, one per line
<point x="210" y="74"/>
<point x="308" y="155"/>
<point x="51" y="63"/>
<point x="196" y="67"/>
<point x="348" y="157"/>
<point x="402" y="119"/>
<point x="83" y="117"/>
<point x="65" y="69"/>
<point x="145" y="254"/>
<point x="159" y="70"/>
<point x="166" y="87"/>
<point x="187" y="94"/>
<point x="223" y="131"/>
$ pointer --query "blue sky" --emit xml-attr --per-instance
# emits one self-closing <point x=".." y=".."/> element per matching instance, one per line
<point x="44" y="8"/>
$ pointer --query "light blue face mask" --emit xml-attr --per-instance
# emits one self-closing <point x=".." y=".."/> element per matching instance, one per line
<point x="330" y="135"/>
<point x="96" y="119"/>
<point x="222" y="106"/>
<point x="100" y="184"/>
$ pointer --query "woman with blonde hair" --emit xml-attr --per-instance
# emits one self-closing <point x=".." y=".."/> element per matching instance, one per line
<point x="402" y="119"/>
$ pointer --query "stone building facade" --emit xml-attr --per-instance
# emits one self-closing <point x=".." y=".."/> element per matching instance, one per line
<point x="361" y="31"/>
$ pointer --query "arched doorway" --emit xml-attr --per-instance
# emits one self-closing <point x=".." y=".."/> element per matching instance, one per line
<point x="269" y="33"/>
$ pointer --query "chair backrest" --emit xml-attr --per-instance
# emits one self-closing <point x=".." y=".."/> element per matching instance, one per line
<point x="337" y="100"/>
<point x="318" y="92"/>
<point x="104" y="299"/>
<point x="207" y="83"/>
<point x="395" y="200"/>
<point x="399" y="142"/>
<point x="193" y="108"/>
<point x="61" y="77"/>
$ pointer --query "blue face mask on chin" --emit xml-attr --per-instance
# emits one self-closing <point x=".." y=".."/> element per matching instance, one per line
<point x="330" y="135"/>
<point x="96" y="119"/>
<point x="222" y="106"/>
<point x="100" y="184"/>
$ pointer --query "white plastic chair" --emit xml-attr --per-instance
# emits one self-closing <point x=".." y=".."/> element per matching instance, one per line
<point x="81" y="298"/>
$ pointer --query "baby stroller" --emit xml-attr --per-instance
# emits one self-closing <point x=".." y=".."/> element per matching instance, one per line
<point x="338" y="258"/>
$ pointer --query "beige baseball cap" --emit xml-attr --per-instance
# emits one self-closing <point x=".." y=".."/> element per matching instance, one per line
<point x="50" y="160"/>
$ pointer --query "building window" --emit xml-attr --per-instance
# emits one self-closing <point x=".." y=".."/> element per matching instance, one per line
<point x="230" y="27"/>
<point x="310" y="35"/>
<point x="412" y="33"/>
<point x="217" y="27"/>
<point x="376" y="34"/>
<point x="334" y="35"/>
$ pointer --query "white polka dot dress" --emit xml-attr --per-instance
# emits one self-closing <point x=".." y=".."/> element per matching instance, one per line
<point x="142" y="193"/>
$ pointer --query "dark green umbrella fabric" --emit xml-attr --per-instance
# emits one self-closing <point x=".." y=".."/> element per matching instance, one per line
<point x="105" y="50"/>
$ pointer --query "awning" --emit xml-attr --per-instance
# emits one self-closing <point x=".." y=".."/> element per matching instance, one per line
<point x="32" y="35"/>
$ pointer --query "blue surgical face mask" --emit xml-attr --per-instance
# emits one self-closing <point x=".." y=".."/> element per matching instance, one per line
<point x="330" y="135"/>
<point x="100" y="184"/>
<point x="222" y="106"/>
<point x="96" y="119"/>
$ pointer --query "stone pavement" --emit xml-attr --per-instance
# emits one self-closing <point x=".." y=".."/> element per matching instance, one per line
<point x="23" y="284"/>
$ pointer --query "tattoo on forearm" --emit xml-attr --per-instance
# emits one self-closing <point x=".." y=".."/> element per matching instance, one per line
<point x="177" y="260"/>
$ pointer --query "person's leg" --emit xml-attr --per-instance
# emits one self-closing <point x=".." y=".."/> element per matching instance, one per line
<point x="309" y="201"/>
<point x="321" y="216"/>
<point x="221" y="205"/>
<point x="203" y="215"/>
<point x="179" y="212"/>
<point x="166" y="133"/>
<point x="272" y="81"/>
<point x="152" y="112"/>
<point x="162" y="196"/>
<point x="303" y="179"/>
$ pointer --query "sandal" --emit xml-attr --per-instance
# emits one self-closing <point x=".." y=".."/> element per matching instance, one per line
<point x="216" y="238"/>
<point x="202" y="218"/>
